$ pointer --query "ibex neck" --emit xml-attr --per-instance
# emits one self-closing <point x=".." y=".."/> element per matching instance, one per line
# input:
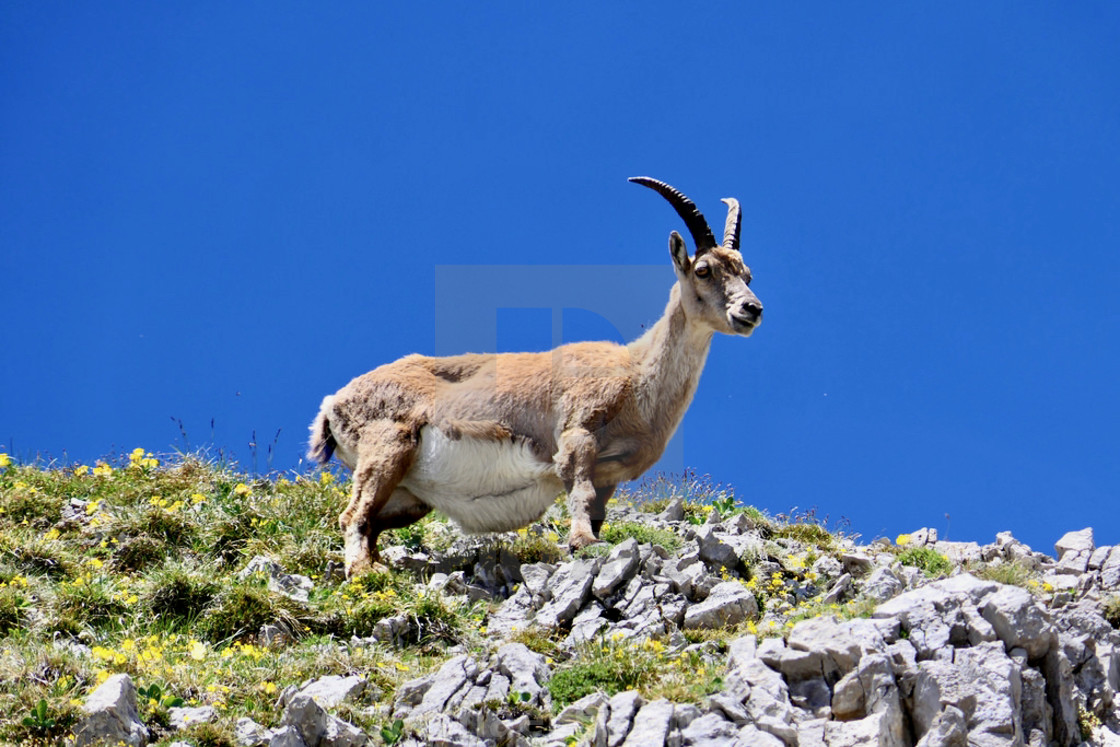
<point x="670" y="357"/>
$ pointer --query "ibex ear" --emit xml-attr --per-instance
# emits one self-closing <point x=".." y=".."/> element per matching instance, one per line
<point x="679" y="252"/>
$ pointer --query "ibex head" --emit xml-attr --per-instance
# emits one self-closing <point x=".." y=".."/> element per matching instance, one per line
<point x="714" y="281"/>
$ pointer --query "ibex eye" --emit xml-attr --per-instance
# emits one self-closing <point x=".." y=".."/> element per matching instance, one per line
<point x="703" y="271"/>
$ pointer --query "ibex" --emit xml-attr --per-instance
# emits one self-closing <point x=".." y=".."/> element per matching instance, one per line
<point x="492" y="440"/>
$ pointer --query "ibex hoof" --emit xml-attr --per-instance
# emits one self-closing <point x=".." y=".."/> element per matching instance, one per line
<point x="365" y="568"/>
<point x="580" y="541"/>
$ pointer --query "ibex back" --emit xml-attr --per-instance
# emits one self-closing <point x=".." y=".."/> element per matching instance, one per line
<point x="491" y="440"/>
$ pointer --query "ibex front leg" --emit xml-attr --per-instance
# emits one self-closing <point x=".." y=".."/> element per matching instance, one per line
<point x="575" y="462"/>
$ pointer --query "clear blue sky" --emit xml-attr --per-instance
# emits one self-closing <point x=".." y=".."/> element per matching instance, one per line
<point x="222" y="212"/>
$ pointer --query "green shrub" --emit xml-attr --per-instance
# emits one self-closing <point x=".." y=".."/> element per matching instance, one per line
<point x="806" y="533"/>
<point x="1111" y="610"/>
<point x="179" y="596"/>
<point x="1012" y="572"/>
<point x="242" y="610"/>
<point x="666" y="538"/>
<point x="929" y="560"/>
<point x="612" y="666"/>
<point x="13" y="602"/>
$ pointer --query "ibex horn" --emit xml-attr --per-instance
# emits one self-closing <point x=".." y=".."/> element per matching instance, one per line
<point x="686" y="209"/>
<point x="734" y="222"/>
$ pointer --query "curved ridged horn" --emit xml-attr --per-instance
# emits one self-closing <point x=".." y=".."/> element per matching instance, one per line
<point x="686" y="209"/>
<point x="734" y="223"/>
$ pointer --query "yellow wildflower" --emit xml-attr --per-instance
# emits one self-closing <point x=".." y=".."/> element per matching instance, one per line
<point x="140" y="460"/>
<point x="902" y="539"/>
<point x="5" y="460"/>
<point x="81" y="470"/>
<point x="102" y="470"/>
<point x="326" y="478"/>
<point x="242" y="489"/>
<point x="92" y="506"/>
<point x="198" y="650"/>
<point x="52" y="534"/>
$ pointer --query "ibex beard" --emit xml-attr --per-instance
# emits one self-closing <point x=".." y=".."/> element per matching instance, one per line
<point x="492" y="440"/>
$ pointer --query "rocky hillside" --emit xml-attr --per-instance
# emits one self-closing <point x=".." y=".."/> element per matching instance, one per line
<point x="698" y="621"/>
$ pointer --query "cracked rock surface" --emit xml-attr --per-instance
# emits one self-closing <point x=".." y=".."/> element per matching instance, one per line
<point x="814" y="646"/>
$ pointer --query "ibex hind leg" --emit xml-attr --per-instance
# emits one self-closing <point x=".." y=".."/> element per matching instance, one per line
<point x="384" y="456"/>
<point x="401" y="510"/>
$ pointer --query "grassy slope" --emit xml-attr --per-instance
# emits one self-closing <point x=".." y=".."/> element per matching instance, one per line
<point x="139" y="563"/>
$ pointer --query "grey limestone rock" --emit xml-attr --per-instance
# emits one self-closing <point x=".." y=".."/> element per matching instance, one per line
<point x="412" y="692"/>
<point x="182" y="718"/>
<point x="394" y="630"/>
<point x="1019" y="621"/>
<point x="834" y="641"/>
<point x="651" y="724"/>
<point x="728" y="603"/>
<point x="248" y="733"/>
<point x="516" y="613"/>
<point x="332" y="690"/>
<point x="621" y="711"/>
<point x="812" y="696"/>
<point x="674" y="511"/>
<point x="1098" y="557"/>
<point x="1110" y="569"/>
<point x="768" y="701"/>
<point x="620" y="567"/>
<point x="291" y="585"/>
<point x="110" y="715"/>
<point x="535" y="578"/>
<point x="1079" y="543"/>
<point x="959" y="552"/>
<point x="947" y="729"/>
<point x="287" y="736"/>
<point x="571" y="587"/>
<point x="983" y="683"/>
<point x="856" y="563"/>
<point x="443" y="731"/>
<point x="583" y="710"/>
<point x="452" y="677"/>
<point x="882" y="584"/>
<point x="526" y="671"/>
<point x="317" y="728"/>
<point x="714" y="551"/>
<point x="876" y="729"/>
<point x="709" y="730"/>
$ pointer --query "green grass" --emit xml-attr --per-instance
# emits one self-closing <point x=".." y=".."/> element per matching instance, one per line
<point x="647" y="666"/>
<point x="1011" y="572"/>
<point x="643" y="533"/>
<point x="138" y="561"/>
<point x="931" y="562"/>
<point x="1111" y="610"/>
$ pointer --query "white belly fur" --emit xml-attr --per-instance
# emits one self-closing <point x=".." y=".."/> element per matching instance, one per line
<point x="483" y="485"/>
